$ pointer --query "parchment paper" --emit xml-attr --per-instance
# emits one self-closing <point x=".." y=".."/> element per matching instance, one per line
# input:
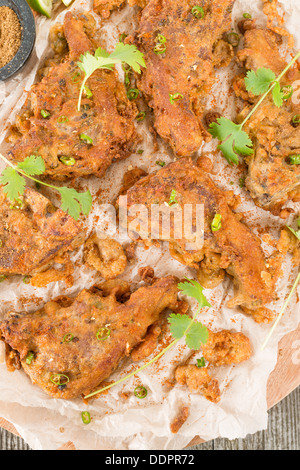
<point x="47" y="423"/>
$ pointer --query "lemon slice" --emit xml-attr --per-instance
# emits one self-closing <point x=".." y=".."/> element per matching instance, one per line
<point x="42" y="6"/>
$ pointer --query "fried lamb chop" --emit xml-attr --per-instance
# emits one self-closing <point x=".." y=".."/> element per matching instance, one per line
<point x="34" y="233"/>
<point x="272" y="177"/>
<point x="71" y="142"/>
<point x="182" y="44"/>
<point x="232" y="248"/>
<point x="71" y="345"/>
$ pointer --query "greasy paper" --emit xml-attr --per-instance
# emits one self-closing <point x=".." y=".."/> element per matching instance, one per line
<point x="117" y="423"/>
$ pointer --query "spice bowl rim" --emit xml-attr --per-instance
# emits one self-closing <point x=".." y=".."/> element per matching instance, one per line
<point x="27" y="22"/>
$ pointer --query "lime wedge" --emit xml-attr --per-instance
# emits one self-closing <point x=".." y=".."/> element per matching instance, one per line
<point x="67" y="2"/>
<point x="42" y="6"/>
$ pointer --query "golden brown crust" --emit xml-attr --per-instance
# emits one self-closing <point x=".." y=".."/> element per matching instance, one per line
<point x="86" y="359"/>
<point x="105" y="255"/>
<point x="107" y="117"/>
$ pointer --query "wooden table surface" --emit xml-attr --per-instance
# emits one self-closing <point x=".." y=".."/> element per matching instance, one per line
<point x="283" y="432"/>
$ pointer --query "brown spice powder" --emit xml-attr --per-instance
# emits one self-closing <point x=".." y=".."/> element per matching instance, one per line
<point x="10" y="35"/>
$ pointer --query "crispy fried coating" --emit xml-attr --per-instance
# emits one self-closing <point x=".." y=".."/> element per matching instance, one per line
<point x="107" y="117"/>
<point x="84" y="338"/>
<point x="34" y="234"/>
<point x="198" y="380"/>
<point x="272" y="180"/>
<point x="186" y="67"/>
<point x="225" y="347"/>
<point x="233" y="247"/>
<point x="105" y="255"/>
<point x="148" y="345"/>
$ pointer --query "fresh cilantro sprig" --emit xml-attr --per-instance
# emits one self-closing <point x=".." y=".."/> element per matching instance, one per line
<point x="14" y="182"/>
<point x="234" y="140"/>
<point x="180" y="326"/>
<point x="295" y="232"/>
<point x="123" y="54"/>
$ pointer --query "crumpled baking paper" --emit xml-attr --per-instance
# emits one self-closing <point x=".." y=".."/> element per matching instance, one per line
<point x="117" y="423"/>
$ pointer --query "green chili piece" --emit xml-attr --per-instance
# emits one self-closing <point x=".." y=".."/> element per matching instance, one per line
<point x="247" y="16"/>
<point x="18" y="204"/>
<point x="68" y="338"/>
<point x="59" y="379"/>
<point x="29" y="358"/>
<point x="141" y="116"/>
<point x="161" y="39"/>
<point x="132" y="94"/>
<point x="198" y="12"/>
<point x="2" y="277"/>
<point x="287" y="91"/>
<point x="86" y="417"/>
<point x="201" y="362"/>
<point x="140" y="391"/>
<point x="26" y="279"/>
<point x="45" y="113"/>
<point x="160" y="48"/>
<point x="296" y="120"/>
<point x="69" y="161"/>
<point x="88" y="92"/>
<point x="103" y="334"/>
<point x="86" y="139"/>
<point x="62" y="119"/>
<point x="216" y="223"/>
<point x="233" y="39"/>
<point x="295" y="159"/>
<point x="175" y="97"/>
<point x="160" y="163"/>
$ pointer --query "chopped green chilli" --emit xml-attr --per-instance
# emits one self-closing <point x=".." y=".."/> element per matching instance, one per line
<point x="140" y="391"/>
<point x="296" y="120"/>
<point x="103" y="334"/>
<point x="141" y="116"/>
<point x="247" y="16"/>
<point x="216" y="223"/>
<point x="68" y="338"/>
<point x="62" y="119"/>
<point x="86" y="138"/>
<point x="161" y="39"/>
<point x="69" y="161"/>
<point x="59" y="379"/>
<point x="175" y="97"/>
<point x="2" y="277"/>
<point x="233" y="39"/>
<point x="287" y="92"/>
<point x="160" y="48"/>
<point x="132" y="94"/>
<point x="160" y="163"/>
<point x="26" y="279"/>
<point x="88" y="92"/>
<point x="201" y="362"/>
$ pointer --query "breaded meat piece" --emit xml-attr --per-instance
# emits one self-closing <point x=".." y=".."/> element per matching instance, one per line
<point x="198" y="380"/>
<point x="233" y="247"/>
<point x="33" y="233"/>
<point x="75" y="143"/>
<point x="182" y="46"/>
<point x="225" y="347"/>
<point x="272" y="178"/>
<point x="76" y="343"/>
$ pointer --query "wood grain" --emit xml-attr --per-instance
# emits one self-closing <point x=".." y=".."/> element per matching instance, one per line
<point x="284" y="379"/>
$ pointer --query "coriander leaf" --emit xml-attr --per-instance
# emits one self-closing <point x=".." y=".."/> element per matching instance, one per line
<point x="196" y="335"/>
<point x="193" y="289"/>
<point x="14" y="184"/>
<point x="234" y="140"/>
<point x="130" y="55"/>
<point x="296" y="233"/>
<point x="277" y="95"/>
<point x="258" y="82"/>
<point x="33" y="165"/>
<point x="74" y="203"/>
<point x="179" y="324"/>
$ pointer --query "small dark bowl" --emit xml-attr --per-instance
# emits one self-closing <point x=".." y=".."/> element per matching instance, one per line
<point x="26" y="18"/>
